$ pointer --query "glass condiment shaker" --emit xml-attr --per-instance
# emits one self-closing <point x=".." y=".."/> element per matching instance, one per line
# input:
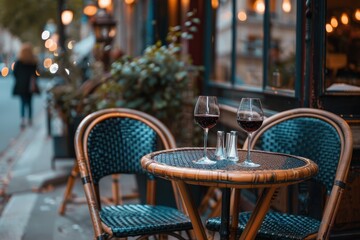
<point x="220" y="150"/>
<point x="231" y="151"/>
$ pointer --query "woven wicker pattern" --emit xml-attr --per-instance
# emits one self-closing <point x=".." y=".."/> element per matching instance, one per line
<point x="307" y="137"/>
<point x="185" y="158"/>
<point x="134" y="220"/>
<point x="315" y="134"/>
<point x="116" y="140"/>
<point x="275" y="226"/>
<point x="116" y="145"/>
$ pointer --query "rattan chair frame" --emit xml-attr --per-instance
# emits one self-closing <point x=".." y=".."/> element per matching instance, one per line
<point x="101" y="231"/>
<point x="334" y="198"/>
<point x="117" y="197"/>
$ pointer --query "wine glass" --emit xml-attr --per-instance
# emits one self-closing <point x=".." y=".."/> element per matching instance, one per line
<point x="250" y="117"/>
<point x="206" y="114"/>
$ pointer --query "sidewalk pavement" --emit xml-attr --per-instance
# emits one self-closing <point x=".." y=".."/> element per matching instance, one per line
<point x="31" y="191"/>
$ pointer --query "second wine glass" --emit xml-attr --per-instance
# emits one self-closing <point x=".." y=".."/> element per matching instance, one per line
<point x="250" y="117"/>
<point x="206" y="114"/>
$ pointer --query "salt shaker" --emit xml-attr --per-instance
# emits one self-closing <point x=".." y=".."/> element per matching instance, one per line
<point x="232" y="153"/>
<point x="220" y="151"/>
<point x="227" y="144"/>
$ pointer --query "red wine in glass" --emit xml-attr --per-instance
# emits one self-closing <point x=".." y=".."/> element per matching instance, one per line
<point x="250" y="126"/>
<point x="206" y="121"/>
<point x="206" y="114"/>
<point x="250" y="117"/>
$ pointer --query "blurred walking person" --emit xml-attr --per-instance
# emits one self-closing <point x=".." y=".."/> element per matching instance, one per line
<point x="25" y="81"/>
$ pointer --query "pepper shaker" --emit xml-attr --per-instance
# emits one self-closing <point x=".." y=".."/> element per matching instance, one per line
<point x="232" y="153"/>
<point x="227" y="144"/>
<point x="220" y="151"/>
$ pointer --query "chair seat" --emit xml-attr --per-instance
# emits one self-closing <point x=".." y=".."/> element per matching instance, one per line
<point x="136" y="219"/>
<point x="275" y="226"/>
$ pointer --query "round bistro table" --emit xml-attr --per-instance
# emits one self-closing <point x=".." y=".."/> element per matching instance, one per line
<point x="275" y="170"/>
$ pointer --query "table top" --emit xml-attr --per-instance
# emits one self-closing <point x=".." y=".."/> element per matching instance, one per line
<point x="275" y="169"/>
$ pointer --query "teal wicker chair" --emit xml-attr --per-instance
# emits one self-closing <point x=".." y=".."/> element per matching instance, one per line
<point x="112" y="141"/>
<point x="315" y="134"/>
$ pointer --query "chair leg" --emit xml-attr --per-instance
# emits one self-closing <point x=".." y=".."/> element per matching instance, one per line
<point x="205" y="201"/>
<point x="69" y="188"/>
<point x="211" y="203"/>
<point x="216" y="210"/>
<point x="234" y="212"/>
<point x="116" y="191"/>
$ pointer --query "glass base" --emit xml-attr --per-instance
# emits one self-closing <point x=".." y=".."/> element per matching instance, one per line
<point x="204" y="160"/>
<point x="248" y="163"/>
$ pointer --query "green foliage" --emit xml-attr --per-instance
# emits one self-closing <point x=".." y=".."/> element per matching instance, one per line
<point x="154" y="82"/>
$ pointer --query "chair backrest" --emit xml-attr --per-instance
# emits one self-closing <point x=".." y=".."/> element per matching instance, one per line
<point x="315" y="134"/>
<point x="113" y="141"/>
<point x="116" y="145"/>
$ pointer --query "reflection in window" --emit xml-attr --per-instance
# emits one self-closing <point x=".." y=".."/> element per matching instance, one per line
<point x="281" y="71"/>
<point x="222" y="41"/>
<point x="342" y="45"/>
<point x="249" y="43"/>
<point x="249" y="61"/>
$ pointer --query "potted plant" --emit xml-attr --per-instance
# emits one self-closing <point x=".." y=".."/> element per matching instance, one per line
<point x="157" y="82"/>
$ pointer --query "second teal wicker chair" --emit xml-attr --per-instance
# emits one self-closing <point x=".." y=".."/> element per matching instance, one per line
<point x="315" y="134"/>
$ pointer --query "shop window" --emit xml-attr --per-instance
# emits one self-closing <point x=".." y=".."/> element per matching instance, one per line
<point x="282" y="54"/>
<point x="249" y="63"/>
<point x="222" y="42"/>
<point x="342" y="26"/>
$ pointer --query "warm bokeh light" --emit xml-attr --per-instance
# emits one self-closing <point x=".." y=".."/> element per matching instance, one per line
<point x="242" y="16"/>
<point x="53" y="47"/>
<point x="67" y="17"/>
<point x="334" y="22"/>
<point x="12" y="66"/>
<point x="357" y="14"/>
<point x="4" y="71"/>
<point x="45" y="35"/>
<point x="90" y="9"/>
<point x="259" y="6"/>
<point x="214" y="4"/>
<point x="49" y="43"/>
<point x="129" y="2"/>
<point x="71" y="44"/>
<point x="47" y="62"/>
<point x="329" y="28"/>
<point x="286" y="6"/>
<point x="37" y="73"/>
<point x="112" y="32"/>
<point x="344" y="19"/>
<point x="104" y="3"/>
<point x="54" y="68"/>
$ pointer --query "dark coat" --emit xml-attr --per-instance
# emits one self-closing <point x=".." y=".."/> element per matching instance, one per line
<point x="23" y="73"/>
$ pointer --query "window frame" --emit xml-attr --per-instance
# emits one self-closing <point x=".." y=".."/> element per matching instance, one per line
<point x="345" y="104"/>
<point x="229" y="93"/>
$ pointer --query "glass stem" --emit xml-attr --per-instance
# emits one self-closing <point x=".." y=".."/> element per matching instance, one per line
<point x="205" y="140"/>
<point x="248" y="150"/>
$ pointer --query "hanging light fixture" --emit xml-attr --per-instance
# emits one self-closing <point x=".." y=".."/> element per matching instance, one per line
<point x="104" y="26"/>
